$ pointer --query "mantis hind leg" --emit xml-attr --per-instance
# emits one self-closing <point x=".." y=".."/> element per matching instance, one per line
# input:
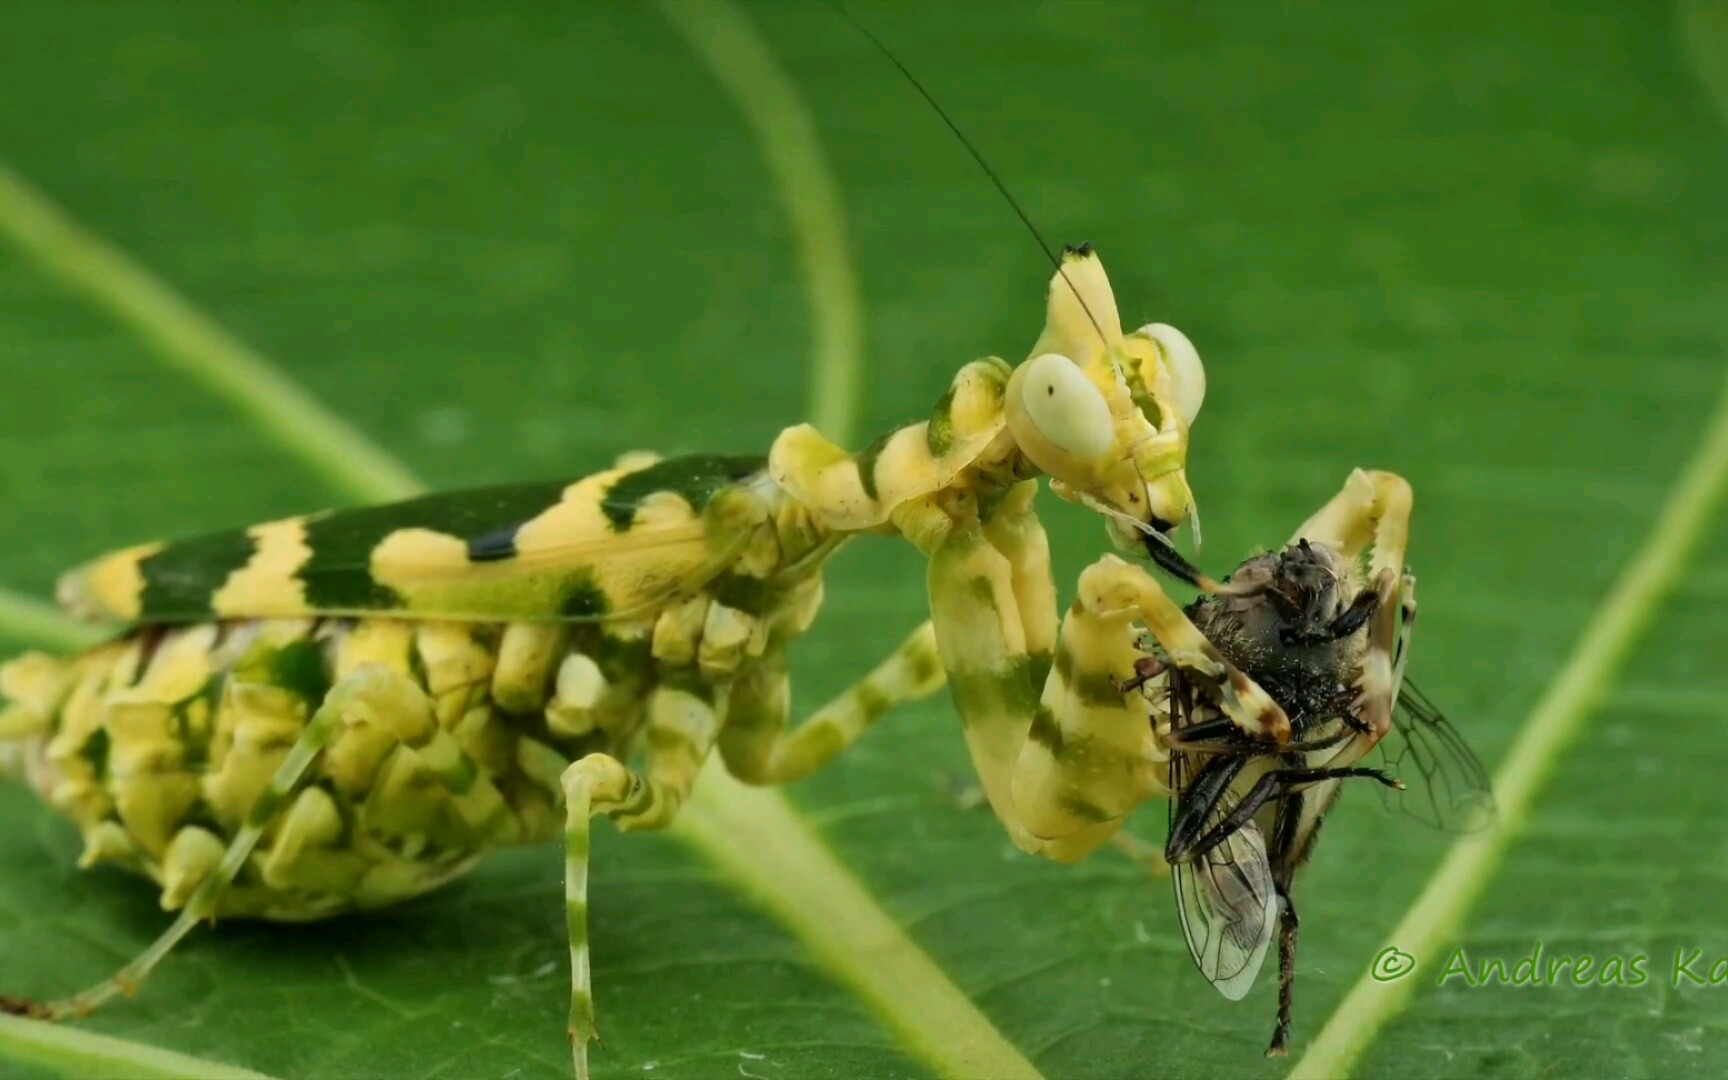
<point x="591" y="786"/>
<point x="681" y="730"/>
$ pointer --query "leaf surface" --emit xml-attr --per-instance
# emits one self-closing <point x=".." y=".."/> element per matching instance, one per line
<point x="1480" y="247"/>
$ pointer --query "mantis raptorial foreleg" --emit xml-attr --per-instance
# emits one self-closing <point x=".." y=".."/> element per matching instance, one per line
<point x="1372" y="513"/>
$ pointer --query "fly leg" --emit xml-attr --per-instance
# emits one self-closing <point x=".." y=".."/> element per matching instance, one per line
<point x="1288" y="850"/>
<point x="1289" y="927"/>
<point x="1223" y="736"/>
<point x="1186" y="842"/>
<point x="1292" y="788"/>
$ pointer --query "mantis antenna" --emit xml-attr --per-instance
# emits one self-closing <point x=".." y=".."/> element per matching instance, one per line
<point x="1013" y="203"/>
<point x="1158" y="547"/>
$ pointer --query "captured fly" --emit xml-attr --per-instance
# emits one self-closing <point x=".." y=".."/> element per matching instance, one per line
<point x="1328" y="645"/>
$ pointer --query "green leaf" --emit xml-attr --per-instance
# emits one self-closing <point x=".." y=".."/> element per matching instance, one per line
<point x="264" y="259"/>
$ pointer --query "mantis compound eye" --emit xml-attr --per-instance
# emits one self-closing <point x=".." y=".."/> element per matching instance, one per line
<point x="1066" y="407"/>
<point x="1187" y="373"/>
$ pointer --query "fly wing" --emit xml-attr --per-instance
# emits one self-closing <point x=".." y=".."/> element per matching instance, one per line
<point x="1225" y="899"/>
<point x="1446" y="786"/>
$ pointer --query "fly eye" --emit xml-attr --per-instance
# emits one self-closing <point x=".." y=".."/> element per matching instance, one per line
<point x="1187" y="373"/>
<point x="1066" y="407"/>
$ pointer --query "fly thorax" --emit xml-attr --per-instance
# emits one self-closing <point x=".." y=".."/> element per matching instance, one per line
<point x="1308" y="681"/>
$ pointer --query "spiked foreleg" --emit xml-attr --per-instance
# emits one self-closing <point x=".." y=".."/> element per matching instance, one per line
<point x="1371" y="510"/>
<point x="1091" y="755"/>
<point x="1371" y="513"/>
<point x="757" y="748"/>
<point x="1062" y="771"/>
<point x="1406" y="631"/>
<point x="1118" y="586"/>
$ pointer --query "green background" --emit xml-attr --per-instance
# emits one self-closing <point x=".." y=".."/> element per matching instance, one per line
<point x="1481" y="245"/>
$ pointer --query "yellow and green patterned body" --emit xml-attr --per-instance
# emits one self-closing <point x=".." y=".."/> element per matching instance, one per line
<point x="613" y="543"/>
<point x="347" y="709"/>
<point x="161" y="745"/>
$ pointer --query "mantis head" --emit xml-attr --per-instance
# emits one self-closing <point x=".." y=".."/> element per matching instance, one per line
<point x="1106" y="414"/>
